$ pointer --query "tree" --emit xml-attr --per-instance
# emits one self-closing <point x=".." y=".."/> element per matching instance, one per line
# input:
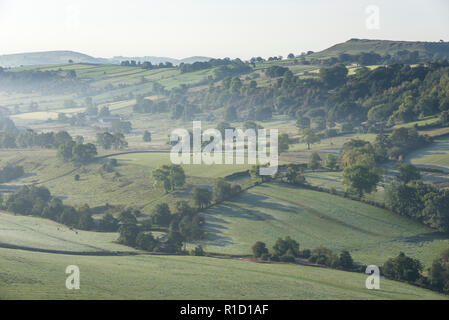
<point x="169" y="176"/>
<point x="174" y="241"/>
<point x="346" y="261"/>
<point x="202" y="197"/>
<point x="291" y="56"/>
<point x="361" y="178"/>
<point x="334" y="76"/>
<point x="439" y="273"/>
<point x="198" y="251"/>
<point x="408" y="172"/>
<point x="104" y="112"/>
<point x="254" y="172"/>
<point x="331" y="161"/>
<point x="436" y="210"/>
<point x="309" y="137"/>
<point x="183" y="208"/>
<point x="315" y="161"/>
<point x="283" y="143"/>
<point x="65" y="151"/>
<point x="161" y="215"/>
<point x="286" y="249"/>
<point x="294" y="176"/>
<point x="222" y="190"/>
<point x="402" y="268"/>
<point x="69" y="216"/>
<point x="128" y="234"/>
<point x="62" y="137"/>
<point x="85" y="221"/>
<point x="147" y="136"/>
<point x="83" y="153"/>
<point x="146" y="241"/>
<point x="259" y="249"/>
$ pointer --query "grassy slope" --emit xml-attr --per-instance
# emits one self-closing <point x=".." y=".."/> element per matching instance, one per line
<point x="45" y="234"/>
<point x="381" y="47"/>
<point x="270" y="211"/>
<point x="29" y="275"/>
<point x="133" y="185"/>
<point x="436" y="155"/>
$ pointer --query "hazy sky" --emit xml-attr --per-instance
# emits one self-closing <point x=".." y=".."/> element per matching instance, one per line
<point x="225" y="28"/>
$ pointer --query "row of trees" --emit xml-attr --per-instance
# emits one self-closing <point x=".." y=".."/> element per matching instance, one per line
<point x="108" y="140"/>
<point x="395" y="92"/>
<point x="287" y="250"/>
<point x="146" y="64"/>
<point x="404" y="268"/>
<point x="78" y="153"/>
<point x="418" y="200"/>
<point x="38" y="201"/>
<point x="184" y="224"/>
<point x="10" y="172"/>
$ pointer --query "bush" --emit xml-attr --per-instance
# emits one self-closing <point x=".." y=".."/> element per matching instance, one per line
<point x="305" y="254"/>
<point x="286" y="246"/>
<point x="259" y="249"/>
<point x="146" y="241"/>
<point x="198" y="251"/>
<point x="402" y="268"/>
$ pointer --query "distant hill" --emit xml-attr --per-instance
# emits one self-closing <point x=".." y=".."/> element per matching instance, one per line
<point x="427" y="50"/>
<point x="157" y="60"/>
<point x="61" y="57"/>
<point x="46" y="57"/>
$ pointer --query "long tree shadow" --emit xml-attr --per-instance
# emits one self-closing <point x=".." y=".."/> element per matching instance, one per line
<point x="424" y="237"/>
<point x="264" y="202"/>
<point x="216" y="222"/>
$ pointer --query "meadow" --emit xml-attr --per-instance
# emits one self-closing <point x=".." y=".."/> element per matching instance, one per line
<point x="43" y="234"/>
<point x="434" y="156"/>
<point x="31" y="275"/>
<point x="271" y="211"/>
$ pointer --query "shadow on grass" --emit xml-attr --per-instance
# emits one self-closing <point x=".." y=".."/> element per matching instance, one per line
<point x="263" y="202"/>
<point x="424" y="237"/>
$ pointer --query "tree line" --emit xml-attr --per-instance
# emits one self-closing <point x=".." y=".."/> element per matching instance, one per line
<point x="38" y="201"/>
<point x="287" y="250"/>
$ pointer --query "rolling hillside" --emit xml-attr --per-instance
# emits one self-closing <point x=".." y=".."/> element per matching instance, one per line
<point x="46" y="57"/>
<point x="61" y="57"/>
<point x="31" y="275"/>
<point x="271" y="211"/>
<point x="383" y="47"/>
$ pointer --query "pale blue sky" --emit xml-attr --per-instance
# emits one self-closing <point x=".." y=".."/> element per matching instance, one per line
<point x="226" y="28"/>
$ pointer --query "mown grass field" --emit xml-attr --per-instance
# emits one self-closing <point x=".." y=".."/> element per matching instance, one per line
<point x="31" y="275"/>
<point x="43" y="234"/>
<point x="270" y="211"/>
<point x="131" y="184"/>
<point x="434" y="156"/>
<point x="156" y="159"/>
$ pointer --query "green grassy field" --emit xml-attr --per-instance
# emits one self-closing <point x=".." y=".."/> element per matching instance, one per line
<point x="270" y="211"/>
<point x="434" y="156"/>
<point x="31" y="275"/>
<point x="39" y="233"/>
<point x="154" y="160"/>
<point x="131" y="184"/>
